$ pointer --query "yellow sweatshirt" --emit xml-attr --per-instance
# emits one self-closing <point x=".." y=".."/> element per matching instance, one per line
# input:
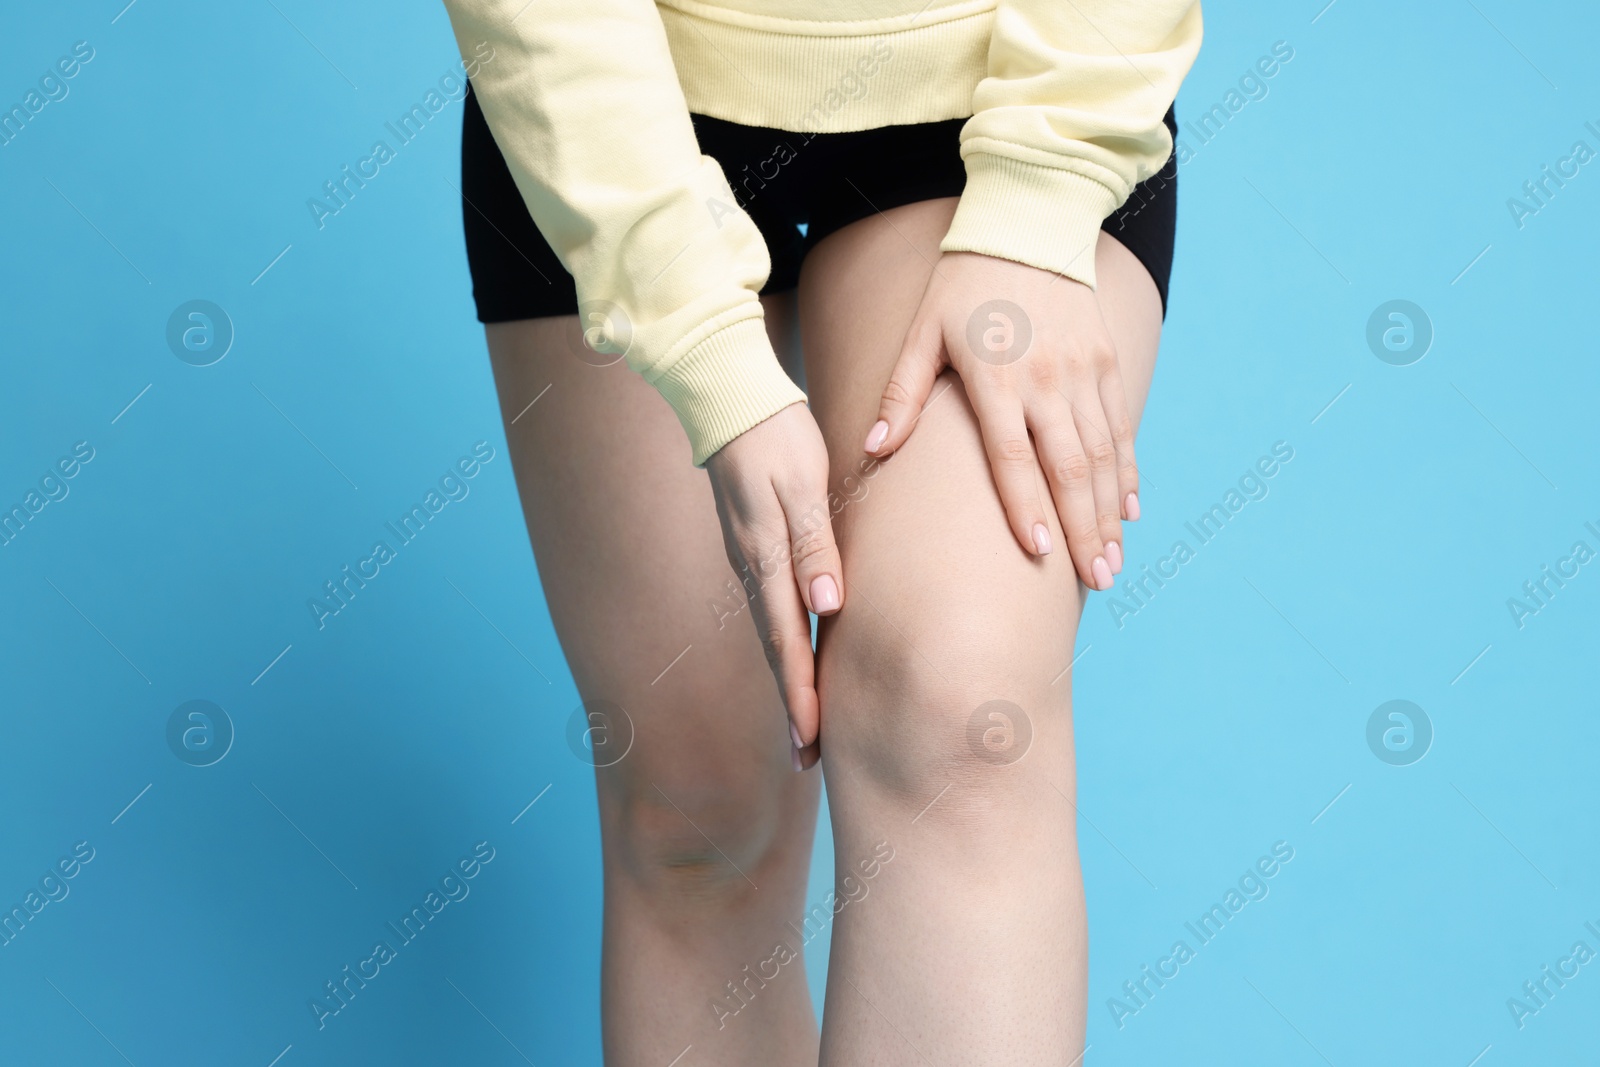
<point x="589" y="101"/>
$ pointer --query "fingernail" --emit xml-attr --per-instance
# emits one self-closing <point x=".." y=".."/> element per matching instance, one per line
<point x="1102" y="573"/>
<point x="877" y="435"/>
<point x="1041" y="539"/>
<point x="794" y="735"/>
<point x="1114" y="556"/>
<point x="1131" y="505"/>
<point x="824" y="594"/>
<point x="794" y="759"/>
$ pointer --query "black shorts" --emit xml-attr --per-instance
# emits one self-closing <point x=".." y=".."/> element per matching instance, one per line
<point x="826" y="181"/>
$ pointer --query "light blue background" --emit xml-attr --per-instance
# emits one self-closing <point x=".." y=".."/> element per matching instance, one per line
<point x="1223" y="717"/>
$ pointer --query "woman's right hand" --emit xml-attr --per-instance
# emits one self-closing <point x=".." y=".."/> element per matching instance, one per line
<point x="771" y="486"/>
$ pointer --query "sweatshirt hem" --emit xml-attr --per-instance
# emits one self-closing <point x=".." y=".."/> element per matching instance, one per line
<point x="804" y="82"/>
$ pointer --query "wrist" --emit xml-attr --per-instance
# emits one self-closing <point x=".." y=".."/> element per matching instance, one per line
<point x="1042" y="216"/>
<point x="727" y="383"/>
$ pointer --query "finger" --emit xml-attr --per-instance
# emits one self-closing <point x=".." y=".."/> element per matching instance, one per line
<point x="784" y="628"/>
<point x="818" y="580"/>
<point x="1095" y="435"/>
<point x="1067" y="471"/>
<point x="818" y="572"/>
<point x="921" y="358"/>
<point x="811" y="755"/>
<point x="1114" y="398"/>
<point x="1014" y="465"/>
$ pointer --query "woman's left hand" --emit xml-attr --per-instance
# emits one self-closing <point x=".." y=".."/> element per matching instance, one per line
<point x="1042" y="374"/>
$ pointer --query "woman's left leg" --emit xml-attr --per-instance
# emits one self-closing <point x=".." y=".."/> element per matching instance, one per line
<point x="947" y="734"/>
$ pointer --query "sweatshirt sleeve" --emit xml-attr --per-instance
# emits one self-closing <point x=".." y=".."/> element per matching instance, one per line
<point x="585" y="104"/>
<point x="1066" y="122"/>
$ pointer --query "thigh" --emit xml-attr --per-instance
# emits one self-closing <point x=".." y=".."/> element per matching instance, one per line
<point x="859" y="290"/>
<point x="630" y="556"/>
<point x="924" y="538"/>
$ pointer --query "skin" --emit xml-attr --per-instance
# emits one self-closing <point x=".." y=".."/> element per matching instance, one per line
<point x="943" y="949"/>
<point x="625" y="533"/>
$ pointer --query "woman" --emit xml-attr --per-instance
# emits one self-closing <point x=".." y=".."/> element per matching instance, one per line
<point x="960" y="217"/>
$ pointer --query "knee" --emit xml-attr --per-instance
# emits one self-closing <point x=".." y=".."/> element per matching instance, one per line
<point x="697" y="823"/>
<point x="952" y="709"/>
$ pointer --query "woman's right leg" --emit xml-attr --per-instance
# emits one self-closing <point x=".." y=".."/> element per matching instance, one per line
<point x="706" y="830"/>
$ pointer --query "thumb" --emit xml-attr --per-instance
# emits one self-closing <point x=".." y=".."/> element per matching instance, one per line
<point x="921" y="358"/>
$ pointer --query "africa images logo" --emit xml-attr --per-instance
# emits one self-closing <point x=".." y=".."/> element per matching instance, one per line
<point x="337" y="193"/>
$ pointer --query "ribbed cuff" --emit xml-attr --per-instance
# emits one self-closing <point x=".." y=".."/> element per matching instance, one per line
<point x="726" y="384"/>
<point x="1042" y="216"/>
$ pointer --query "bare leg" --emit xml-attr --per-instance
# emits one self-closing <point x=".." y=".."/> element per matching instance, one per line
<point x="706" y="830"/>
<point x="969" y="945"/>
